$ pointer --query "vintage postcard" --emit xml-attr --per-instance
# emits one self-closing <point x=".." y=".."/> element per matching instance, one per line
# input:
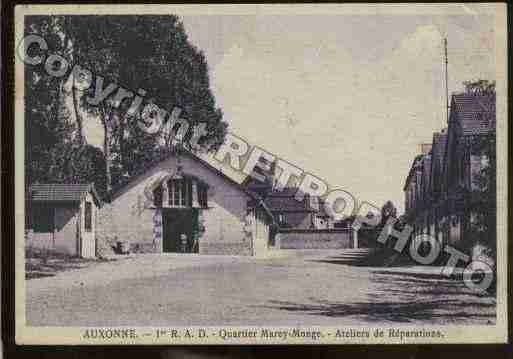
<point x="261" y="174"/>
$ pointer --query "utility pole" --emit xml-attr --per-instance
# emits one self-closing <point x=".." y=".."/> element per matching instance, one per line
<point x="446" y="81"/>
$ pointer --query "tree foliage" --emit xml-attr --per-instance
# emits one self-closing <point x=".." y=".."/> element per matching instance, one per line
<point x="483" y="197"/>
<point x="388" y="211"/>
<point x="479" y="87"/>
<point x="135" y="52"/>
<point x="50" y="149"/>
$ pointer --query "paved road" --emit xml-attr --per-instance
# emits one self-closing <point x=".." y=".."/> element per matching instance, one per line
<point x="304" y="288"/>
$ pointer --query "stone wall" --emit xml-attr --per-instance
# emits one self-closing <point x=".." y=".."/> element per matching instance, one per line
<point x="316" y="239"/>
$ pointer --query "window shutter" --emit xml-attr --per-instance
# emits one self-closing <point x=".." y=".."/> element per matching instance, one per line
<point x="157" y="196"/>
<point x="194" y="192"/>
<point x="190" y="195"/>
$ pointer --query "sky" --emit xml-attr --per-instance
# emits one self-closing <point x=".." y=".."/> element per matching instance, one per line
<point x="348" y="98"/>
<point x="345" y="97"/>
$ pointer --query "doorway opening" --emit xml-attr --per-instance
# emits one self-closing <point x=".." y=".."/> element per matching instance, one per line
<point x="180" y="230"/>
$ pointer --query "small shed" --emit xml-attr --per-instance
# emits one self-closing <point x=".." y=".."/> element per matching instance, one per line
<point x="61" y="218"/>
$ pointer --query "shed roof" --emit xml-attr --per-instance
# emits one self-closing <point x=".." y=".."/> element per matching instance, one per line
<point x="59" y="192"/>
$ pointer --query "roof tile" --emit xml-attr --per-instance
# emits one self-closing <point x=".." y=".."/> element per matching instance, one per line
<point x="55" y="192"/>
<point x="475" y="113"/>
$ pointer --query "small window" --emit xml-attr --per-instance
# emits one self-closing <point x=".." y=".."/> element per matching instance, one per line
<point x="88" y="221"/>
<point x="176" y="193"/>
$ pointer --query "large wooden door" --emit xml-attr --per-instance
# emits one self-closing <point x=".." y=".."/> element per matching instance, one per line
<point x="176" y="222"/>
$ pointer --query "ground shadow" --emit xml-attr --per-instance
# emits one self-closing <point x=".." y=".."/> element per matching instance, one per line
<point x="34" y="275"/>
<point x="371" y="257"/>
<point x="405" y="299"/>
<point x="399" y="312"/>
<point x="40" y="268"/>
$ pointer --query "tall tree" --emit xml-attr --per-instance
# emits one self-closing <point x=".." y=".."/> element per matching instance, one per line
<point x="47" y="129"/>
<point x="143" y="52"/>
<point x="136" y="52"/>
<point x="483" y="197"/>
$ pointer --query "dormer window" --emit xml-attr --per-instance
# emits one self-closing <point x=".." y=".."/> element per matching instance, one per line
<point x="181" y="192"/>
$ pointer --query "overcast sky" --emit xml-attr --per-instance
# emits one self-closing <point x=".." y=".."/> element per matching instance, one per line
<point x="347" y="98"/>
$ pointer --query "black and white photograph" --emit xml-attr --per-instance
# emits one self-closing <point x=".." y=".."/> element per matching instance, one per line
<point x="261" y="174"/>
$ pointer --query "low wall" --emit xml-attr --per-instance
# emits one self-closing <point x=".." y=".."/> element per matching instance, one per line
<point x="316" y="239"/>
<point x="234" y="249"/>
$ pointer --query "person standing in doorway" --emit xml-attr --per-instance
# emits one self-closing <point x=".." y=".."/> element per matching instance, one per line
<point x="183" y="242"/>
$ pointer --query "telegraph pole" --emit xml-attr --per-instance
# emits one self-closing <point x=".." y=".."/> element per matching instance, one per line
<point x="446" y="81"/>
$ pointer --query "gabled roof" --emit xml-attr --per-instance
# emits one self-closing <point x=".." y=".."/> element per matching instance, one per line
<point x="208" y="160"/>
<point x="256" y="185"/>
<point x="287" y="204"/>
<point x="284" y="201"/>
<point x="426" y="166"/>
<point x="437" y="159"/>
<point x="438" y="149"/>
<point x="416" y="162"/>
<point x="474" y="112"/>
<point x="58" y="192"/>
<point x="205" y="158"/>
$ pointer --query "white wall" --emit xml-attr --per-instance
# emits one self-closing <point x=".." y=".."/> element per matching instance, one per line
<point x="129" y="219"/>
<point x="88" y="240"/>
<point x="66" y="230"/>
<point x="63" y="239"/>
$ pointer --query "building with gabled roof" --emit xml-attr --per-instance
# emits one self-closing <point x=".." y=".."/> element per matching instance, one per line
<point x="187" y="202"/>
<point x="62" y="218"/>
<point x="442" y="210"/>
<point x="291" y="213"/>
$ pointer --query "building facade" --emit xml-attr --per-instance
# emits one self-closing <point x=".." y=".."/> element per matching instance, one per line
<point x="62" y="218"/>
<point x="288" y="212"/>
<point x="185" y="204"/>
<point x="293" y="214"/>
<point x="444" y="174"/>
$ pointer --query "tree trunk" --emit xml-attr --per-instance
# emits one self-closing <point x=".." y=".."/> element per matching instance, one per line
<point x="106" y="150"/>
<point x="80" y="135"/>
